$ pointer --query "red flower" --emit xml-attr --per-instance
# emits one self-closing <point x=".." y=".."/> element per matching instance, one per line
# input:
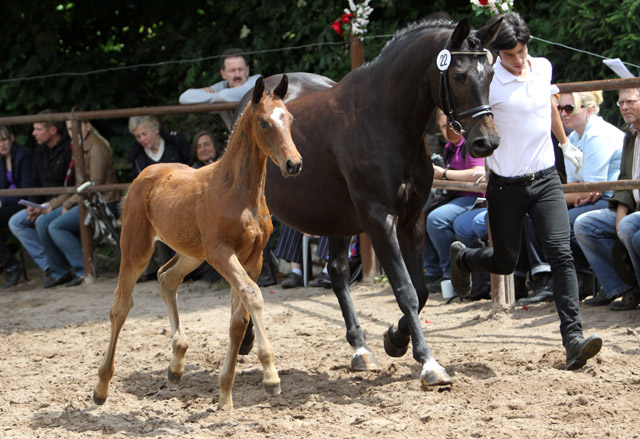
<point x="484" y="2"/>
<point x="346" y="18"/>
<point x="336" y="26"/>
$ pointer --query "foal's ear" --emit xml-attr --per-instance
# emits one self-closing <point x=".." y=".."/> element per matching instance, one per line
<point x="258" y="90"/>
<point x="281" y="89"/>
<point x="487" y="33"/>
<point x="460" y="33"/>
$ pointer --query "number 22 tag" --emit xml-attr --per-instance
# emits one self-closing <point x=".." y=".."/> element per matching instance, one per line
<point x="443" y="60"/>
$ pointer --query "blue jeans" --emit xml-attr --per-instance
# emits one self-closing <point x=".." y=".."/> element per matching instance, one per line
<point x="629" y="233"/>
<point x="471" y="226"/>
<point x="596" y="232"/>
<point x="575" y="212"/>
<point x="25" y="231"/>
<point x="440" y="235"/>
<point x="58" y="234"/>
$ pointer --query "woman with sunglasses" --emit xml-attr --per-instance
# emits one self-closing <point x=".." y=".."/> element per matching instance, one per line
<point x="601" y="146"/>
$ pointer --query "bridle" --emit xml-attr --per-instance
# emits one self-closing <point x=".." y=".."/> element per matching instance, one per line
<point x="443" y="62"/>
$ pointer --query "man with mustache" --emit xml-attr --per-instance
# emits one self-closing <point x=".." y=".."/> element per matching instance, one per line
<point x="236" y="82"/>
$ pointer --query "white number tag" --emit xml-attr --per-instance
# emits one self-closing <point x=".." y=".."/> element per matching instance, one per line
<point x="444" y="60"/>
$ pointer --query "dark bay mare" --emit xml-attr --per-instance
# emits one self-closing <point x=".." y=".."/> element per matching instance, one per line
<point x="366" y="168"/>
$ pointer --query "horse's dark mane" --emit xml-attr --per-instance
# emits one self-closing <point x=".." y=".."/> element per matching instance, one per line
<point x="413" y="31"/>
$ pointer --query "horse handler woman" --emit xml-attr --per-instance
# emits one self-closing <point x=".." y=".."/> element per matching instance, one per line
<point x="523" y="180"/>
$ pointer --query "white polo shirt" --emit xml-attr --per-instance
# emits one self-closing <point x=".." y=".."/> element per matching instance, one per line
<point x="522" y="115"/>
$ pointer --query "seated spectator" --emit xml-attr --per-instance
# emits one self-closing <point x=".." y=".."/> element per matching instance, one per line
<point x="601" y="146"/>
<point x="236" y="81"/>
<point x="459" y="166"/>
<point x="59" y="231"/>
<point x="52" y="168"/>
<point x="289" y="248"/>
<point x="152" y="146"/>
<point x="16" y="168"/>
<point x="597" y="230"/>
<point x="205" y="149"/>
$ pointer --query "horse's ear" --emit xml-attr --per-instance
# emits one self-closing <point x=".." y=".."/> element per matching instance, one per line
<point x="488" y="32"/>
<point x="460" y="33"/>
<point x="281" y="89"/>
<point x="258" y="90"/>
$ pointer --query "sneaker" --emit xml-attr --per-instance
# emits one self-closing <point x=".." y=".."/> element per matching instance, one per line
<point x="50" y="281"/>
<point x="630" y="300"/>
<point x="293" y="280"/>
<point x="12" y="275"/>
<point x="461" y="279"/>
<point x="322" y="281"/>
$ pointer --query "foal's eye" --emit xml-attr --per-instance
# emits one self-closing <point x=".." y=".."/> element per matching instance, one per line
<point x="459" y="77"/>
<point x="263" y="123"/>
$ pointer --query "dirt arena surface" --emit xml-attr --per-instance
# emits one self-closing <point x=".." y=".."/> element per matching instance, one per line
<point x="508" y="370"/>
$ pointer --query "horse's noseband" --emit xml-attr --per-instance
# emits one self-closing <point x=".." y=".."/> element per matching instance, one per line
<point x="445" y="96"/>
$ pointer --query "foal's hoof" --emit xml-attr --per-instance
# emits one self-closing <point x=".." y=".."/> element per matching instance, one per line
<point x="174" y="378"/>
<point x="97" y="399"/>
<point x="435" y="377"/>
<point x="364" y="361"/>
<point x="245" y="348"/>
<point x="391" y="346"/>
<point x="272" y="389"/>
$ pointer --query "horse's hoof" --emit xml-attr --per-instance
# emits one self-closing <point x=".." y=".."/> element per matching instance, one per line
<point x="174" y="378"/>
<point x="97" y="399"/>
<point x="245" y="349"/>
<point x="272" y="389"/>
<point x="247" y="342"/>
<point x="391" y="348"/>
<point x="364" y="361"/>
<point x="435" y="377"/>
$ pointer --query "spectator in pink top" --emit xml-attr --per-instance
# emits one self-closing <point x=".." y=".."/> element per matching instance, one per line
<point x="458" y="166"/>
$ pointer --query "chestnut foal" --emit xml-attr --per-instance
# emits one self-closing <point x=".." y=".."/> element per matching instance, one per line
<point x="217" y="213"/>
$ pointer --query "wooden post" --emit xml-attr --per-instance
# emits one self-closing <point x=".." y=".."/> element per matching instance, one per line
<point x="85" y="233"/>
<point x="370" y="266"/>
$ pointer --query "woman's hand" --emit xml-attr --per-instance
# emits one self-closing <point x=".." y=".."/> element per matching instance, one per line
<point x="438" y="172"/>
<point x="591" y="197"/>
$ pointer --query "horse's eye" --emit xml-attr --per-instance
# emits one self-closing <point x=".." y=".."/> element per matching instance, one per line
<point x="459" y="77"/>
<point x="263" y="123"/>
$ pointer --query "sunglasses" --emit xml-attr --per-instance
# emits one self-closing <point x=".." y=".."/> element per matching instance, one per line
<point x="566" y="108"/>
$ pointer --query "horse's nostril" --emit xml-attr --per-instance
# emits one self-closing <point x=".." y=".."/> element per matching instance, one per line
<point x="293" y="167"/>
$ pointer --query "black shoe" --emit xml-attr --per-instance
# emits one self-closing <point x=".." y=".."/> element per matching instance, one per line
<point x="586" y="283"/>
<point x="12" y="276"/>
<point x="579" y="350"/>
<point x="49" y="281"/>
<point x="293" y="280"/>
<point x="322" y="281"/>
<point x="460" y="279"/>
<point x="542" y="290"/>
<point x="600" y="299"/>
<point x="77" y="280"/>
<point x="630" y="300"/>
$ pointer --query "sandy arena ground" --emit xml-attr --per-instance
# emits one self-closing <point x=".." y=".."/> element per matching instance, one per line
<point x="508" y="370"/>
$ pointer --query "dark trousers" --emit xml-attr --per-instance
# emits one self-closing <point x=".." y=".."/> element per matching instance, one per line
<point x="6" y="257"/>
<point x="544" y="201"/>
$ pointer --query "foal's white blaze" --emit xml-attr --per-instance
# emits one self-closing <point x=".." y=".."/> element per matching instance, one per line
<point x="480" y="67"/>
<point x="277" y="115"/>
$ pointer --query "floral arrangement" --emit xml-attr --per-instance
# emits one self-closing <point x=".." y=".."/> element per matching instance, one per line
<point x="354" y="20"/>
<point x="491" y="7"/>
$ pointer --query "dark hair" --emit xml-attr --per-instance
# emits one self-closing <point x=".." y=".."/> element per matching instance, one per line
<point x="60" y="126"/>
<point x="514" y="30"/>
<point x="216" y="145"/>
<point x="232" y="53"/>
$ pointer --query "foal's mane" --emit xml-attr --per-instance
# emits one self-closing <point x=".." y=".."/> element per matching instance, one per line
<point x="411" y="32"/>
